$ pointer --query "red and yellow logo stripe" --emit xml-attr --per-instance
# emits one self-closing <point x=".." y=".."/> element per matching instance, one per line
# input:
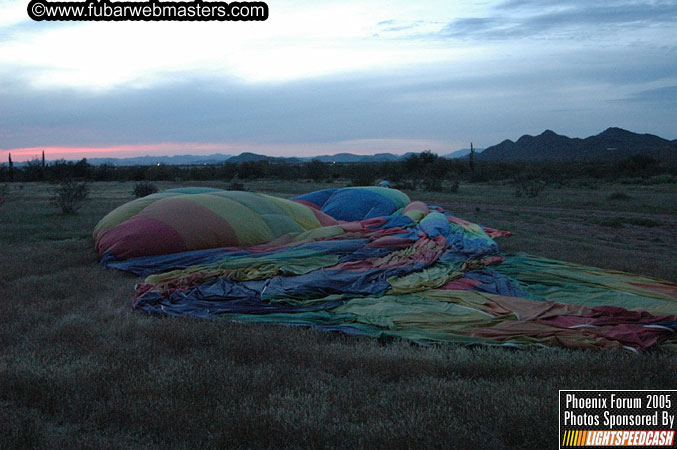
<point x="574" y="438"/>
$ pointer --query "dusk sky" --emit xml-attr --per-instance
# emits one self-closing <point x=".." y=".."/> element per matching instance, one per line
<point x="323" y="77"/>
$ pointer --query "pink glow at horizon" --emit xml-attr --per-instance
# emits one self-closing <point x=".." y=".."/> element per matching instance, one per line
<point x="360" y="147"/>
<point x="115" y="151"/>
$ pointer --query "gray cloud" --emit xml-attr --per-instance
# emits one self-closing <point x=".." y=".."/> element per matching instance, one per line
<point x="15" y="31"/>
<point x="577" y="89"/>
<point x="561" y="19"/>
<point x="394" y="28"/>
<point x="444" y="105"/>
<point x="663" y="96"/>
<point x="195" y="110"/>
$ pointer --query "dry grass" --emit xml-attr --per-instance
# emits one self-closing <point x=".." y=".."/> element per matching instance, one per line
<point x="580" y="224"/>
<point x="80" y="369"/>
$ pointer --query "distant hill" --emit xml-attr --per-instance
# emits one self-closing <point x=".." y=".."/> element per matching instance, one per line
<point x="169" y="160"/>
<point x="253" y="157"/>
<point x="350" y="157"/>
<point x="461" y="153"/>
<point x="242" y="157"/>
<point x="249" y="157"/>
<point x="338" y="158"/>
<point x="613" y="143"/>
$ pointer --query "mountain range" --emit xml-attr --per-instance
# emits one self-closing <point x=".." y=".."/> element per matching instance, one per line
<point x="242" y="157"/>
<point x="462" y="153"/>
<point x="216" y="158"/>
<point x="613" y="143"/>
<point x="338" y="158"/>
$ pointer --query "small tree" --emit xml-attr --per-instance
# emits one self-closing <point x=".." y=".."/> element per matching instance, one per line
<point x="471" y="160"/>
<point x="361" y="177"/>
<point x="70" y="196"/>
<point x="316" y="170"/>
<point x="143" y="189"/>
<point x="236" y="184"/>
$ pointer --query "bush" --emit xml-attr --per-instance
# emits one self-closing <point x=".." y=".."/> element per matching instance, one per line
<point x="619" y="222"/>
<point x="618" y="195"/>
<point x="662" y="179"/>
<point x="70" y="196"/>
<point x="406" y="185"/>
<point x="637" y="163"/>
<point x="3" y="194"/>
<point x="643" y="222"/>
<point x="530" y="188"/>
<point x="631" y="180"/>
<point x="432" y="184"/>
<point x="362" y="178"/>
<point x="143" y="189"/>
<point x="611" y="222"/>
<point x="316" y="170"/>
<point x="236" y="184"/>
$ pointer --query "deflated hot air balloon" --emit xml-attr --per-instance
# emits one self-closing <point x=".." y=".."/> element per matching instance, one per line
<point x="367" y="260"/>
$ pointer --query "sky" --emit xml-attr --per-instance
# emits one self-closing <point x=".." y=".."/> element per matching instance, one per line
<point x="325" y="77"/>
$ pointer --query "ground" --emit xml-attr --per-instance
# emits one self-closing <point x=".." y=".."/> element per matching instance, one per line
<point x="80" y="369"/>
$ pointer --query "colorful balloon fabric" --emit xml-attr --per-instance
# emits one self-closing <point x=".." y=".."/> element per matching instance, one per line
<point x="178" y="220"/>
<point x="367" y="260"/>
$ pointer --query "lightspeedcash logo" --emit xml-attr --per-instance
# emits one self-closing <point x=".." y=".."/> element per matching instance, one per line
<point x="617" y="419"/>
<point x="618" y="438"/>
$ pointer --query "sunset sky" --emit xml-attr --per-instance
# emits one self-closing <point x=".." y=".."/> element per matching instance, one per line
<point x="323" y="77"/>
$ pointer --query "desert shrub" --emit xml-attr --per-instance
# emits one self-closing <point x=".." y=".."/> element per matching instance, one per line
<point x="530" y="188"/>
<point x="587" y="184"/>
<point x="236" y="184"/>
<point x="315" y="170"/>
<point x="642" y="222"/>
<point x="611" y="222"/>
<point x="144" y="188"/>
<point x="637" y="164"/>
<point x="3" y="193"/>
<point x="618" y="195"/>
<point x="665" y="178"/>
<point x="406" y="185"/>
<point x="631" y="180"/>
<point x="103" y="172"/>
<point x="619" y="222"/>
<point x="433" y="184"/>
<point x="362" y="178"/>
<point x="70" y="195"/>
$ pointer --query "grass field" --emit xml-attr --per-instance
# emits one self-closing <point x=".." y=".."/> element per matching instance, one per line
<point x="80" y="369"/>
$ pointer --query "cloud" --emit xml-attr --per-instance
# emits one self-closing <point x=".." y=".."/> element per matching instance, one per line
<point x="406" y="28"/>
<point x="663" y="96"/>
<point x="205" y="111"/>
<point x="413" y="107"/>
<point x="452" y="104"/>
<point x="298" y="41"/>
<point x="315" y="76"/>
<point x="562" y="19"/>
